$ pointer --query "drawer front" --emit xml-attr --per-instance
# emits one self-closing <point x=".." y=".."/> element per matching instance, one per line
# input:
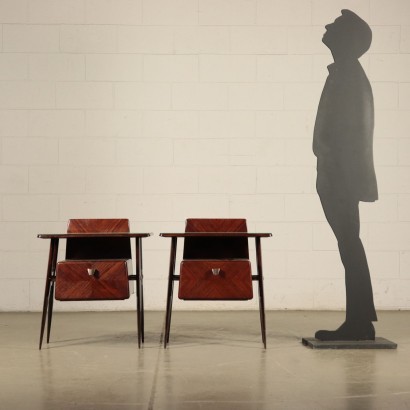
<point x="215" y="280"/>
<point x="106" y="280"/>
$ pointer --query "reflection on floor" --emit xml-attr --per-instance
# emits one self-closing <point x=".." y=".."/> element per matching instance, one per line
<point x="215" y="360"/>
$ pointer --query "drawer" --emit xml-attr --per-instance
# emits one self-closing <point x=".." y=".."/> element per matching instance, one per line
<point x="215" y="280"/>
<point x="108" y="279"/>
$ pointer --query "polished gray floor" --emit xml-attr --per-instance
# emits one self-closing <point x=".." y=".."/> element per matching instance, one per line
<point x="215" y="361"/>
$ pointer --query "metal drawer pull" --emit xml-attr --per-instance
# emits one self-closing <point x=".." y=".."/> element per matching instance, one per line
<point x="215" y="271"/>
<point x="91" y="271"/>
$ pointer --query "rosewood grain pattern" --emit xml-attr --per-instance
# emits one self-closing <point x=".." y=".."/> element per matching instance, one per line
<point x="215" y="225"/>
<point x="198" y="282"/>
<point x="110" y="281"/>
<point x="97" y="225"/>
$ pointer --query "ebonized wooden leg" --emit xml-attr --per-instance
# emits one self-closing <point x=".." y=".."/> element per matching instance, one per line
<point x="169" y="316"/>
<point x="261" y="292"/>
<point x="142" y="309"/>
<point x="138" y="311"/>
<point x="52" y="261"/>
<point x="138" y="277"/>
<point x="45" y="306"/>
<point x="141" y="292"/>
<point x="170" y="290"/>
<point x="50" y="310"/>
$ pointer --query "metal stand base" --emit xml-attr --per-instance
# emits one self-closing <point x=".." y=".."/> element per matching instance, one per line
<point x="378" y="343"/>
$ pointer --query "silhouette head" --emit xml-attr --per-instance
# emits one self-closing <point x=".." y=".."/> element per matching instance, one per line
<point x="348" y="36"/>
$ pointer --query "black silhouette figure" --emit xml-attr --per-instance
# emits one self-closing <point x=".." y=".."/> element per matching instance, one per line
<point x="343" y="145"/>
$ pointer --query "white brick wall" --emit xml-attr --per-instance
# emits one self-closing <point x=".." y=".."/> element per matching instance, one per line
<point x="30" y="38"/>
<point x="159" y="110"/>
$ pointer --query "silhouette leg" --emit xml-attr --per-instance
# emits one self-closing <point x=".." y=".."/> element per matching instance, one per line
<point x="342" y="214"/>
<point x="359" y="293"/>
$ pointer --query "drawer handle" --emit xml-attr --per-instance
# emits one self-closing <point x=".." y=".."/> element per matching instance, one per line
<point x="215" y="271"/>
<point x="91" y="271"/>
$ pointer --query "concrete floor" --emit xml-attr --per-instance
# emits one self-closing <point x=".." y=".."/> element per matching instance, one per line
<point x="215" y="361"/>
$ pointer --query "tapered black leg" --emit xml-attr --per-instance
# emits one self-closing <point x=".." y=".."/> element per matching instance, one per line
<point x="52" y="261"/>
<point x="141" y="292"/>
<point x="139" y="311"/>
<point x="51" y="295"/>
<point x="261" y="292"/>
<point x="50" y="310"/>
<point x="170" y="290"/>
<point x="169" y="310"/>
<point x="138" y="276"/>
<point x="45" y="306"/>
<point x="142" y="309"/>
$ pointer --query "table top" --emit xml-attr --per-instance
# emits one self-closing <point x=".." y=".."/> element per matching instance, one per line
<point x="145" y="235"/>
<point x="216" y="234"/>
<point x="93" y="235"/>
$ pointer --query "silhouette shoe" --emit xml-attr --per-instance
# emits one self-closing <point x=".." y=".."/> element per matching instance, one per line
<point x="348" y="331"/>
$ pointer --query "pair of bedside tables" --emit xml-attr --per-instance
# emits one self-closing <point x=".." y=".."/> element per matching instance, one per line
<point x="98" y="266"/>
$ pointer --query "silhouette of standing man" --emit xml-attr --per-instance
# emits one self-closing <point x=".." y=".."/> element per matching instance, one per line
<point x="343" y="145"/>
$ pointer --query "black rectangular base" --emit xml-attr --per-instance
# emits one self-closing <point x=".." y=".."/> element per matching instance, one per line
<point x="378" y="343"/>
